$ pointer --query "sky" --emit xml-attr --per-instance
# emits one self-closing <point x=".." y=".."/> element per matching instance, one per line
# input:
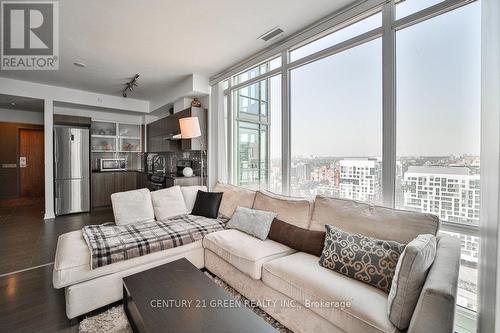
<point x="336" y="102"/>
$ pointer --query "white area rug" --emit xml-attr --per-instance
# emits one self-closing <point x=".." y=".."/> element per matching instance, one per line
<point x="114" y="320"/>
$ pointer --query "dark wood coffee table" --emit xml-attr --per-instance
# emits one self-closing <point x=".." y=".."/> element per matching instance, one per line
<point x="178" y="297"/>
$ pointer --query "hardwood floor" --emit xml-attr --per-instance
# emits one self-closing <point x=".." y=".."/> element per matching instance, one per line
<point x="28" y="302"/>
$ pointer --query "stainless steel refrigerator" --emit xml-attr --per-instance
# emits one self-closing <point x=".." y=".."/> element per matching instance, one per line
<point x="71" y="170"/>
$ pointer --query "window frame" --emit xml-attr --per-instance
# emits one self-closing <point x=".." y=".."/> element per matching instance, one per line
<point x="347" y="17"/>
<point x="352" y="14"/>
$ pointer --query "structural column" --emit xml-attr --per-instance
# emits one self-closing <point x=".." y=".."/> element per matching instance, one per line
<point x="489" y="292"/>
<point x="48" y="120"/>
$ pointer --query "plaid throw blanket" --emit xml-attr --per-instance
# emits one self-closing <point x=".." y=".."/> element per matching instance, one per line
<point x="110" y="243"/>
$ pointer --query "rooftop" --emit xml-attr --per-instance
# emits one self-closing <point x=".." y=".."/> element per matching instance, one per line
<point x="439" y="170"/>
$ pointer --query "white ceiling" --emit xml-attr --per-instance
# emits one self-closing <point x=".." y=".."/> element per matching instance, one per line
<point x="164" y="40"/>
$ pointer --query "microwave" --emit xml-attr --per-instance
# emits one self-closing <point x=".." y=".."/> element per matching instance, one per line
<point x="113" y="164"/>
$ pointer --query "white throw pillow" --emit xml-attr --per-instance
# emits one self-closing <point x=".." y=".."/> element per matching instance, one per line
<point x="189" y="193"/>
<point x="409" y="278"/>
<point x="252" y="221"/>
<point x="132" y="207"/>
<point x="168" y="202"/>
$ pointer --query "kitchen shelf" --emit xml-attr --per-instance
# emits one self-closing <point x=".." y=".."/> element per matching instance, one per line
<point x="107" y="144"/>
<point x="118" y="137"/>
<point x="129" y="131"/>
<point x="103" y="128"/>
<point x="130" y="145"/>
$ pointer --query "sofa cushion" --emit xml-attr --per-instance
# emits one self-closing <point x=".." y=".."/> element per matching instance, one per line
<point x="189" y="193"/>
<point x="409" y="279"/>
<point x="243" y="251"/>
<point x="233" y="197"/>
<point x="351" y="305"/>
<point x="296" y="211"/>
<point x="132" y="207"/>
<point x="373" y="221"/>
<point x="207" y="204"/>
<point x="72" y="260"/>
<point x="252" y="221"/>
<point x="300" y="239"/>
<point x="168" y="202"/>
<point x="366" y="259"/>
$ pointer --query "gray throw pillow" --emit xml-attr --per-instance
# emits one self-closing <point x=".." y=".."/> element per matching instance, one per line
<point x="252" y="221"/>
<point x="409" y="279"/>
<point x="366" y="259"/>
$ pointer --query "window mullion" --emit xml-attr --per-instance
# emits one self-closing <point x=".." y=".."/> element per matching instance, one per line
<point x="285" y="124"/>
<point x="389" y="106"/>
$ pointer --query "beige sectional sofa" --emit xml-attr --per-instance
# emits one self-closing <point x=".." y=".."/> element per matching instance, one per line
<point x="291" y="285"/>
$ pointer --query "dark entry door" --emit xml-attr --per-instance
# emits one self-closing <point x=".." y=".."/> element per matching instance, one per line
<point x="31" y="163"/>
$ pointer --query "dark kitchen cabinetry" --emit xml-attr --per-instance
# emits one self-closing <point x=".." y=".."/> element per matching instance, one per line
<point x="106" y="183"/>
<point x="60" y="119"/>
<point x="161" y="131"/>
<point x="142" y="180"/>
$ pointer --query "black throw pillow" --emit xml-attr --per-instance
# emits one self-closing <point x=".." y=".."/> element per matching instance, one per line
<point x="207" y="204"/>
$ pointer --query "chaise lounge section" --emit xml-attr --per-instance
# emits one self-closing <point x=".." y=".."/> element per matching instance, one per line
<point x="303" y="296"/>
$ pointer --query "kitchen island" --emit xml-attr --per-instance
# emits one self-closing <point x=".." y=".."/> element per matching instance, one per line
<point x="105" y="183"/>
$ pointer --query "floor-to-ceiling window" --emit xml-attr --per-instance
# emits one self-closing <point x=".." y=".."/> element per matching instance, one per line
<point x="438" y="129"/>
<point x="257" y="129"/>
<point x="395" y="85"/>
<point x="336" y="125"/>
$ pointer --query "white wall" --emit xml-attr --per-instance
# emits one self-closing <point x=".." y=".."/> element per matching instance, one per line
<point x="67" y="95"/>
<point x="21" y="116"/>
<point x="95" y="114"/>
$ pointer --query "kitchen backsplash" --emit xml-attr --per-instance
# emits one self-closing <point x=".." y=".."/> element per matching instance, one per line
<point x="171" y="159"/>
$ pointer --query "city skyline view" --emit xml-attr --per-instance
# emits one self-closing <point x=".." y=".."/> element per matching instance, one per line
<point x="336" y="128"/>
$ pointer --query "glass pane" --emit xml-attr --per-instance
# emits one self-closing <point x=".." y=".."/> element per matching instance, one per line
<point x="252" y="101"/>
<point x="336" y="125"/>
<point x="438" y="120"/>
<point x="103" y="144"/>
<point x="103" y="128"/>
<point x="408" y="7"/>
<point x="467" y="280"/>
<point x="130" y="145"/>
<point x="248" y="154"/>
<point x="131" y="131"/>
<point x="258" y="135"/>
<point x="338" y="36"/>
<point x="257" y="70"/>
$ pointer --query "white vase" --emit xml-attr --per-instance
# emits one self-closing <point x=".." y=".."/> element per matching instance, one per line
<point x="187" y="172"/>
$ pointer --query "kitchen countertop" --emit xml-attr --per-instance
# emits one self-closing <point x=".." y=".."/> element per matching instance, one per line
<point x="99" y="171"/>
<point x="168" y="175"/>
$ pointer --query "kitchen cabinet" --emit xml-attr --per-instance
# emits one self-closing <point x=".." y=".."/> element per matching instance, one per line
<point x="103" y="185"/>
<point x="167" y="127"/>
<point x="106" y="183"/>
<point x="142" y="180"/>
<point x="66" y="120"/>
<point x="187" y="181"/>
<point x="125" y="181"/>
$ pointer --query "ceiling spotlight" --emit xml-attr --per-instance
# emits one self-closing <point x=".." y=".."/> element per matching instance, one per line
<point x="79" y="64"/>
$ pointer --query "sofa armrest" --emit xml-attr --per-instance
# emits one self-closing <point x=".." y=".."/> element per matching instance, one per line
<point x="435" y="310"/>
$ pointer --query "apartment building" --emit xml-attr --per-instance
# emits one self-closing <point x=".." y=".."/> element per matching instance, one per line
<point x="360" y="179"/>
<point x="452" y="193"/>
